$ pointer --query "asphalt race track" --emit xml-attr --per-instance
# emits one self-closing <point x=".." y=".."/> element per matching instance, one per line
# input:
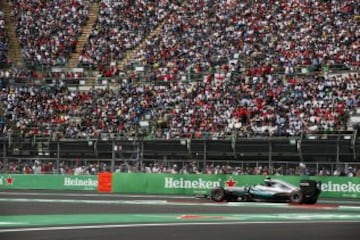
<point x="40" y="215"/>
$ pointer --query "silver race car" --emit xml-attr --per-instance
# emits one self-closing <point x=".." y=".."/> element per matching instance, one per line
<point x="271" y="190"/>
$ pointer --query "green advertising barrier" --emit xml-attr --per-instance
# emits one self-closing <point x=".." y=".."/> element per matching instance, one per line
<point x="49" y="182"/>
<point x="332" y="187"/>
<point x="339" y="187"/>
<point x="179" y="184"/>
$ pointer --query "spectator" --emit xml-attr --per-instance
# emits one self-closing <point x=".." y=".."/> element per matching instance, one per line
<point x="37" y="167"/>
<point x="349" y="172"/>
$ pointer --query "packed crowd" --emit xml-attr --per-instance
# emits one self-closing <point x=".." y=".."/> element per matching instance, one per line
<point x="250" y="106"/>
<point x="94" y="168"/>
<point x="48" y="30"/>
<point x="199" y="35"/>
<point x="121" y="25"/>
<point x="3" y="41"/>
<point x="202" y="37"/>
<point x="265" y="36"/>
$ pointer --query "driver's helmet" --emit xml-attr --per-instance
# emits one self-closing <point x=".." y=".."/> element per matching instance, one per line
<point x="268" y="181"/>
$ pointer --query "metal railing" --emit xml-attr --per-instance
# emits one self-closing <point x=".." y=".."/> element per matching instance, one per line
<point x="331" y="148"/>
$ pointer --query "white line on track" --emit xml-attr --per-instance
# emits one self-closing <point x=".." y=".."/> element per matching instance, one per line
<point x="94" y="195"/>
<point x="169" y="203"/>
<point x="42" y="200"/>
<point x="11" y="223"/>
<point x="112" y="195"/>
<point x="163" y="225"/>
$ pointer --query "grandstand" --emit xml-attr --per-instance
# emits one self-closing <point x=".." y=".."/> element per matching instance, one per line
<point x="173" y="70"/>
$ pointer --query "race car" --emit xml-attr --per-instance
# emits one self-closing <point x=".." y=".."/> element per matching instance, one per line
<point x="271" y="190"/>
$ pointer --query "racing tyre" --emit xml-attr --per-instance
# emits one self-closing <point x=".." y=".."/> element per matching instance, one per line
<point x="311" y="200"/>
<point x="218" y="194"/>
<point x="296" y="197"/>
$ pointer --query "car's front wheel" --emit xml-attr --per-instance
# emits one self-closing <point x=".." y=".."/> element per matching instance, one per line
<point x="218" y="194"/>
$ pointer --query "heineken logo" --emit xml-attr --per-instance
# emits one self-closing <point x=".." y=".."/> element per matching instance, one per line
<point x="9" y="180"/>
<point x="182" y="183"/>
<point x="230" y="183"/>
<point x="348" y="187"/>
<point x="74" y="181"/>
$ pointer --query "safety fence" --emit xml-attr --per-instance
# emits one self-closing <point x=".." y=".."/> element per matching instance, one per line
<point x="49" y="166"/>
<point x="333" y="149"/>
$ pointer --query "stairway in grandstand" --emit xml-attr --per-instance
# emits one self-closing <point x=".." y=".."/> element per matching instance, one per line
<point x="93" y="13"/>
<point x="354" y="119"/>
<point x="14" y="53"/>
<point x="10" y="123"/>
<point x="131" y="54"/>
<point x="43" y="146"/>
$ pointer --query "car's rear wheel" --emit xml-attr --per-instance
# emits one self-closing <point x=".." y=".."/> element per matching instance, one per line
<point x="311" y="200"/>
<point x="218" y="194"/>
<point x="296" y="197"/>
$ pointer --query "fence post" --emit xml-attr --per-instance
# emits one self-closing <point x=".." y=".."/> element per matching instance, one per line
<point x="338" y="150"/>
<point x="270" y="156"/>
<point x="353" y="143"/>
<point x="299" y="147"/>
<point x="205" y="153"/>
<point x="113" y="150"/>
<point x="57" y="156"/>
<point x="6" y="165"/>
<point x="233" y="144"/>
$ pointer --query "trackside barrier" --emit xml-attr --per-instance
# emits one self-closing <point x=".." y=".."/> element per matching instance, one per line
<point x="48" y="182"/>
<point x="332" y="187"/>
<point x="176" y="184"/>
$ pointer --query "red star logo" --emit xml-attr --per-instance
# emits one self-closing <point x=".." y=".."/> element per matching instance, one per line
<point x="9" y="180"/>
<point x="230" y="183"/>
